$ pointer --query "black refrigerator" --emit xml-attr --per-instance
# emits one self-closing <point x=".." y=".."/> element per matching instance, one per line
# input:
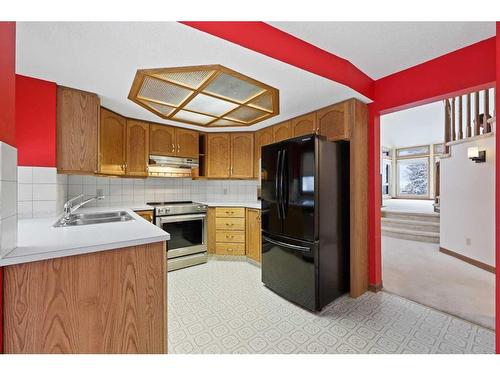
<point x="305" y="220"/>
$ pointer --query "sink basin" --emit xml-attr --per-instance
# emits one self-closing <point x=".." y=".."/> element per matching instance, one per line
<point x="94" y="218"/>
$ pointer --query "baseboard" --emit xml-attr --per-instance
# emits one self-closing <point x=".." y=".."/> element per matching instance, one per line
<point x="466" y="259"/>
<point x="375" y="287"/>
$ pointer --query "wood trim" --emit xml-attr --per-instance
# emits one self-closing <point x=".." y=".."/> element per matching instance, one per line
<point x="466" y="259"/>
<point x="375" y="288"/>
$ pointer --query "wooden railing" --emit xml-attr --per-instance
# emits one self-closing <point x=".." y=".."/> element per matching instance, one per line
<point x="467" y="115"/>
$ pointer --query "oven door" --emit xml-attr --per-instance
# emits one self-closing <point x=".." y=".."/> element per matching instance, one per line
<point x="187" y="234"/>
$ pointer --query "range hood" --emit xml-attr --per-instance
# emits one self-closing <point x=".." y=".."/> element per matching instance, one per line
<point x="171" y="166"/>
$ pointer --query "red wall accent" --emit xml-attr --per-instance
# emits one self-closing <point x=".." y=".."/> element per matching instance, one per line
<point x="7" y="82"/>
<point x="35" y="122"/>
<point x="497" y="199"/>
<point x="7" y="109"/>
<point x="270" y="41"/>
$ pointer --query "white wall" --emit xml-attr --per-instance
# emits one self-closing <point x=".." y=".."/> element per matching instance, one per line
<point x="413" y="127"/>
<point x="468" y="202"/>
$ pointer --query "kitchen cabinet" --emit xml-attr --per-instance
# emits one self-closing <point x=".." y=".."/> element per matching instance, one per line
<point x="172" y="141"/>
<point x="112" y="143"/>
<point x="211" y="236"/>
<point x="77" y="127"/>
<point x="146" y="215"/>
<point x="282" y="131"/>
<point x="253" y="234"/>
<point x="137" y="156"/>
<point x="306" y="124"/>
<point x="162" y="140"/>
<point x="262" y="137"/>
<point x="334" y="122"/>
<point x="229" y="230"/>
<point x="242" y="155"/>
<point x="229" y="155"/>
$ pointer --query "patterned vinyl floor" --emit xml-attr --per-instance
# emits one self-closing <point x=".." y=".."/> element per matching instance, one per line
<point x="222" y="307"/>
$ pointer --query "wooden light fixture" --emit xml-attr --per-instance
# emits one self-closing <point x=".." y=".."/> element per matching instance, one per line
<point x="208" y="95"/>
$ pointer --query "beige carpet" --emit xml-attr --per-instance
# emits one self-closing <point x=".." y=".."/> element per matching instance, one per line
<point x="419" y="272"/>
<point x="408" y="205"/>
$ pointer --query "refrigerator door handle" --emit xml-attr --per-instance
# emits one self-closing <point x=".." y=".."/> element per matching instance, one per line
<point x="279" y="243"/>
<point x="284" y="185"/>
<point x="278" y="184"/>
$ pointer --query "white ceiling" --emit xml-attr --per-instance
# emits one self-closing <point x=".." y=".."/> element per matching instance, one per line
<point x="103" y="58"/>
<point x="413" y="127"/>
<point x="383" y="48"/>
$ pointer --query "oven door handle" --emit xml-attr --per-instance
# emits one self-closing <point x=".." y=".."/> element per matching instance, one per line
<point x="174" y="219"/>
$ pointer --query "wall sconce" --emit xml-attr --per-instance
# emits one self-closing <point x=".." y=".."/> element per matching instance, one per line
<point x="474" y="154"/>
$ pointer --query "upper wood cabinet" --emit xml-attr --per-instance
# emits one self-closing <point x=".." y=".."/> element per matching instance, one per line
<point x="77" y="130"/>
<point x="282" y="131"/>
<point x="187" y="143"/>
<point x="112" y="143"/>
<point x="137" y="148"/>
<point x="218" y="155"/>
<point x="334" y="121"/>
<point x="230" y="155"/>
<point x="253" y="234"/>
<point x="262" y="137"/>
<point x="162" y="140"/>
<point x="242" y="155"/>
<point x="169" y="141"/>
<point x="303" y="125"/>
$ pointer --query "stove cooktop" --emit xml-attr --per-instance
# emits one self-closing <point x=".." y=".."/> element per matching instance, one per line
<point x="169" y="203"/>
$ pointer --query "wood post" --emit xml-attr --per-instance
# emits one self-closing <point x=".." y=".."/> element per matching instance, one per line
<point x="453" y="126"/>
<point x="460" y="122"/>
<point x="487" y="125"/>
<point x="446" y="124"/>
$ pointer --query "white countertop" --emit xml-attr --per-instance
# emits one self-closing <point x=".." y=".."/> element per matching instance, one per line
<point x="249" y="204"/>
<point x="38" y="240"/>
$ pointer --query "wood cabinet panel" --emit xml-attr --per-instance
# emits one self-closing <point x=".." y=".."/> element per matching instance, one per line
<point x="242" y="155"/>
<point x="146" y="215"/>
<point x="211" y="236"/>
<point x="282" y="131"/>
<point x="230" y="236"/>
<point x="137" y="148"/>
<point x="227" y="223"/>
<point x="253" y="234"/>
<point x="162" y="140"/>
<point x="223" y="248"/>
<point x="230" y="211"/>
<point x="334" y="121"/>
<point x="106" y="302"/>
<point x="262" y="137"/>
<point x="303" y="125"/>
<point x="112" y="143"/>
<point x="218" y="155"/>
<point x="77" y="130"/>
<point x="187" y="143"/>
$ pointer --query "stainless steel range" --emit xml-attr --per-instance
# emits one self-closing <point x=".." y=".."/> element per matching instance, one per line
<point x="186" y="223"/>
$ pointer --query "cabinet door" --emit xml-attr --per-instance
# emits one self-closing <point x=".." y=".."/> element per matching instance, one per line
<point x="187" y="143"/>
<point x="77" y="128"/>
<point x="137" y="148"/>
<point x="253" y="234"/>
<point x="304" y="125"/>
<point x="218" y="155"/>
<point x="242" y="155"/>
<point x="112" y="143"/>
<point x="334" y="121"/>
<point x="162" y="140"/>
<point x="262" y="137"/>
<point x="281" y="131"/>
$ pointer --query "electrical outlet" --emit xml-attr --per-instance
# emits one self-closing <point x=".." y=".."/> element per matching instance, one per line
<point x="100" y="192"/>
<point x="225" y="191"/>
<point x="468" y="241"/>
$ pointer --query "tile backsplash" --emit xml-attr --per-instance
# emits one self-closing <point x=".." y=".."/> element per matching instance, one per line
<point x="42" y="192"/>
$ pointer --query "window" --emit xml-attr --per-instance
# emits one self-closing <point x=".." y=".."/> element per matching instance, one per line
<point x="439" y="148"/>
<point x="413" y="177"/>
<point x="413" y="151"/>
<point x="386" y="176"/>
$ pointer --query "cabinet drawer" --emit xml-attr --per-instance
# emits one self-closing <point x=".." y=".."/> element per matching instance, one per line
<point x="231" y="236"/>
<point x="224" y="248"/>
<point x="229" y="223"/>
<point x="230" y="211"/>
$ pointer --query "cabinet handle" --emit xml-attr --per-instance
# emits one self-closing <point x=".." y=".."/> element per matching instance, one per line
<point x="173" y="148"/>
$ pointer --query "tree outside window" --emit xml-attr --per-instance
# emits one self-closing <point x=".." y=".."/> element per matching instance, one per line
<point x="413" y="177"/>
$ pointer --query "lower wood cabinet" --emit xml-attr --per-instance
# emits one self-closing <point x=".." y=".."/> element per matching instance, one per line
<point x="253" y="234"/>
<point x="146" y="215"/>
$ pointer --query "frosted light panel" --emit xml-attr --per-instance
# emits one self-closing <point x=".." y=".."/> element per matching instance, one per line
<point x="209" y="105"/>
<point x="163" y="109"/>
<point x="264" y="101"/>
<point x="234" y="88"/>
<point x="193" y="79"/>
<point x="162" y="91"/>
<point x="192" y="117"/>
<point x="246" y="114"/>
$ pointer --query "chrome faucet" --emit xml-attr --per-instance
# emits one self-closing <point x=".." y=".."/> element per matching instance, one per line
<point x="69" y="208"/>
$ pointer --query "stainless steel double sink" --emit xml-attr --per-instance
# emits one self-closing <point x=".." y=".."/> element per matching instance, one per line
<point x="93" y="218"/>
